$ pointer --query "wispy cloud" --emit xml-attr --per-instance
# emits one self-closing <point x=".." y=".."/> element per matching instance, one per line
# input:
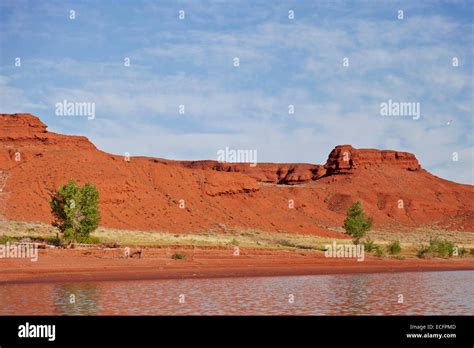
<point x="282" y="62"/>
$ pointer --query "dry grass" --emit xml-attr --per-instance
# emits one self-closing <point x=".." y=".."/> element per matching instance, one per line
<point x="423" y="235"/>
<point x="24" y="229"/>
<point x="239" y="237"/>
<point x="410" y="240"/>
<point x="236" y="237"/>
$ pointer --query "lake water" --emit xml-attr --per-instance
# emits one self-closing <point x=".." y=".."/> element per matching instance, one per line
<point x="424" y="293"/>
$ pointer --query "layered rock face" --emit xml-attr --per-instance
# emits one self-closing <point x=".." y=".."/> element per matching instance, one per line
<point x="15" y="126"/>
<point x="276" y="173"/>
<point x="26" y="129"/>
<point x="344" y="159"/>
<point x="200" y="196"/>
<point x="24" y="136"/>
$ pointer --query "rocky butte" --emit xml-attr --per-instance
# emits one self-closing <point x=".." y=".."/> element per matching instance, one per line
<point x="145" y="193"/>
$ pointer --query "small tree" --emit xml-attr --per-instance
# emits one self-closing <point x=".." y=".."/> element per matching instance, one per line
<point x="394" y="247"/>
<point x="356" y="224"/>
<point x="75" y="211"/>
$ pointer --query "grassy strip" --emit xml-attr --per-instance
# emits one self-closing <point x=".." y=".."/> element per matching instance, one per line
<point x="246" y="238"/>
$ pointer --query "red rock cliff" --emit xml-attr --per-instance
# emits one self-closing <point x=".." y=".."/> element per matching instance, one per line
<point x="345" y="158"/>
<point x="145" y="193"/>
<point x="276" y="173"/>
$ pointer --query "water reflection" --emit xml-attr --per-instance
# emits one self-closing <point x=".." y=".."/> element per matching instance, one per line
<point x="424" y="293"/>
<point x="76" y="298"/>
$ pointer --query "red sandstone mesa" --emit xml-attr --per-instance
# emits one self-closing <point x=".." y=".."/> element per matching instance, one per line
<point x="144" y="193"/>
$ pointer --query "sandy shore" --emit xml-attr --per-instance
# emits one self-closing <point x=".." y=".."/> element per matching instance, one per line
<point x="70" y="265"/>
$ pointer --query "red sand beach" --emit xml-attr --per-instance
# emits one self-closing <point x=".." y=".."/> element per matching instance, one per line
<point x="65" y="265"/>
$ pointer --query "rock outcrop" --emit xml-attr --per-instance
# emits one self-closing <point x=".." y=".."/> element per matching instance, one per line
<point x="18" y="125"/>
<point x="24" y="136"/>
<point x="275" y="173"/>
<point x="344" y="159"/>
<point x="146" y="193"/>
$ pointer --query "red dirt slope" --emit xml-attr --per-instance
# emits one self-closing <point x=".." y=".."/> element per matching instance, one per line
<point x="145" y="193"/>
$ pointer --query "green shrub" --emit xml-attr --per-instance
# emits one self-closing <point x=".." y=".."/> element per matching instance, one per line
<point x="8" y="239"/>
<point x="423" y="251"/>
<point x="394" y="248"/>
<point x="442" y="248"/>
<point x="178" y="256"/>
<point x="436" y="248"/>
<point x="379" y="252"/>
<point x="356" y="224"/>
<point x="75" y="211"/>
<point x="369" y="245"/>
<point x="462" y="251"/>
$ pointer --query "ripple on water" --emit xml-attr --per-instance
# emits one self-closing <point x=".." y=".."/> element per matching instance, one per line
<point x="424" y="293"/>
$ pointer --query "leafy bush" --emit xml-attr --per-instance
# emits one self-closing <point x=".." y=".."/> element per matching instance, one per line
<point x="442" y="248"/>
<point x="462" y="251"/>
<point x="356" y="224"/>
<point x="394" y="248"/>
<point x="423" y="251"/>
<point x="178" y="256"/>
<point x="437" y="248"/>
<point x="75" y="211"/>
<point x="369" y="245"/>
<point x="379" y="252"/>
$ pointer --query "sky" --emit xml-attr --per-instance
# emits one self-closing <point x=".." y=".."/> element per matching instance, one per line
<point x="335" y="61"/>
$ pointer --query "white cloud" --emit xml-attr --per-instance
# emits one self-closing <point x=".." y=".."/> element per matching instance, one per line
<point x="137" y="107"/>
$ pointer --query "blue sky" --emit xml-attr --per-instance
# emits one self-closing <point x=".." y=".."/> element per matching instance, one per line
<point x="282" y="61"/>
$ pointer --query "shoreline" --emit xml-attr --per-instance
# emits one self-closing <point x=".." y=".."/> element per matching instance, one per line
<point x="91" y="265"/>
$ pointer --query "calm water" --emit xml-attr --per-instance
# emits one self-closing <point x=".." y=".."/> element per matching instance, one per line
<point x="425" y="293"/>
